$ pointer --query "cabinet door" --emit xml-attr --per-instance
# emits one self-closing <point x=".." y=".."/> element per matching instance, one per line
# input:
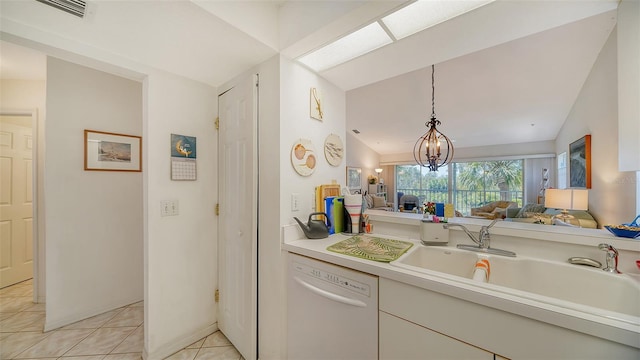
<point x="403" y="340"/>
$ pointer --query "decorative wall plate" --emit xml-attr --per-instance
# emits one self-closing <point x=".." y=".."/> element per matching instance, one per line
<point x="333" y="149"/>
<point x="303" y="157"/>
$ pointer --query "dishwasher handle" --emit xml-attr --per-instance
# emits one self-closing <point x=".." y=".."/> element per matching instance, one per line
<point x="330" y="295"/>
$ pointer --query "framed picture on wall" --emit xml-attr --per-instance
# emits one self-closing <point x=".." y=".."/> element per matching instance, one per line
<point x="105" y="151"/>
<point x="580" y="163"/>
<point x="354" y="181"/>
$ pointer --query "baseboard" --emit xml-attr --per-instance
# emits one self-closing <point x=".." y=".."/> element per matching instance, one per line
<point x="52" y="325"/>
<point x="171" y="348"/>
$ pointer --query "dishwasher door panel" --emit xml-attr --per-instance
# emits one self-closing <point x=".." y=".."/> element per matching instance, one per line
<point x="332" y="311"/>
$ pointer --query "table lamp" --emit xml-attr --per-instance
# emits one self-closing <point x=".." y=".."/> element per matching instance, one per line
<point x="566" y="199"/>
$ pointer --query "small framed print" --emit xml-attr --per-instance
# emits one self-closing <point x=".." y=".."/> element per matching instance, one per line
<point x="105" y="151"/>
<point x="315" y="104"/>
<point x="354" y="181"/>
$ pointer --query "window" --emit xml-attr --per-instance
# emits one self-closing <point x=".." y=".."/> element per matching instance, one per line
<point x="426" y="185"/>
<point x="471" y="184"/>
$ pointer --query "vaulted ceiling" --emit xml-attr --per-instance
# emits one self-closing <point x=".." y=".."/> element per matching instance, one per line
<point x="499" y="69"/>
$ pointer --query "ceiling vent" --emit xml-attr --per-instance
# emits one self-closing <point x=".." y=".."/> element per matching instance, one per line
<point x="73" y="7"/>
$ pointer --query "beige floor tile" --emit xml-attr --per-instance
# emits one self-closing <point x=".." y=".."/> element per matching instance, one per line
<point x="17" y="290"/>
<point x="56" y="344"/>
<point x="85" y="357"/>
<point x="5" y="315"/>
<point x="101" y="341"/>
<point x="136" y="356"/>
<point x="95" y="321"/>
<point x="216" y="339"/>
<point x="16" y="343"/>
<point x="130" y="316"/>
<point x="20" y="321"/>
<point x="36" y="307"/>
<point x="138" y="304"/>
<point x="37" y="325"/>
<point x="218" y="353"/>
<point x="15" y="304"/>
<point x="196" y="345"/>
<point x="184" y="354"/>
<point x="134" y="343"/>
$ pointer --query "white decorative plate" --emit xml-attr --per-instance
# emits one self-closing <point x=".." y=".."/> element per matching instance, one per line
<point x="303" y="157"/>
<point x="333" y="149"/>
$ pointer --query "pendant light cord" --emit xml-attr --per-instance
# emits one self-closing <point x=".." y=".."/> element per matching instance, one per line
<point x="433" y="92"/>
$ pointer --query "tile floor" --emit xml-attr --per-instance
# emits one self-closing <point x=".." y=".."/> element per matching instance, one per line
<point x="114" y="335"/>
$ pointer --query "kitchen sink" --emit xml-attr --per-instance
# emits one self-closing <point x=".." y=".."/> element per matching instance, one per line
<point x="446" y="260"/>
<point x="562" y="281"/>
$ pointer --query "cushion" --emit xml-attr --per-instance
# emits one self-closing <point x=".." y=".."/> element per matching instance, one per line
<point x="530" y="208"/>
<point x="537" y="215"/>
<point x="378" y="201"/>
<point x="369" y="199"/>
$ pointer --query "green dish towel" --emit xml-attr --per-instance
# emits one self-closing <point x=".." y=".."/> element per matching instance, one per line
<point x="371" y="248"/>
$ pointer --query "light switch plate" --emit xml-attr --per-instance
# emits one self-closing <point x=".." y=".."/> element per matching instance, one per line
<point x="295" y="202"/>
<point x="169" y="207"/>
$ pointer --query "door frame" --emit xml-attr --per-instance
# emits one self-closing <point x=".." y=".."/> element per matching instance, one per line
<point x="33" y="114"/>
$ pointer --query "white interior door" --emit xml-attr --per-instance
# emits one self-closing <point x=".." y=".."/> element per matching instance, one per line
<point x="16" y="199"/>
<point x="238" y="216"/>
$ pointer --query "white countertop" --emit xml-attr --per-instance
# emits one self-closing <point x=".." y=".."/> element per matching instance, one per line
<point x="613" y="326"/>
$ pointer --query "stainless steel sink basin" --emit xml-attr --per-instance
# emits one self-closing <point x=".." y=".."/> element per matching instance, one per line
<point x="446" y="260"/>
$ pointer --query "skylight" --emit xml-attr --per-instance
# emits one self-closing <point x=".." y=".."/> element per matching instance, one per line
<point x="408" y="20"/>
<point x="421" y="15"/>
<point x="344" y="49"/>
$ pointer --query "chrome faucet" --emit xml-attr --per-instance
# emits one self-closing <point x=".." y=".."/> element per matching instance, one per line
<point x="485" y="237"/>
<point x="483" y="240"/>
<point x="611" y="259"/>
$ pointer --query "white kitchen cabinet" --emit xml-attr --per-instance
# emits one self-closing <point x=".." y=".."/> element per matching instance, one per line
<point x="484" y="327"/>
<point x="401" y="339"/>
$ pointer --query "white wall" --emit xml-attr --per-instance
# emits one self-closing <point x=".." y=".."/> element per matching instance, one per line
<point x="629" y="85"/>
<point x="362" y="156"/>
<point x="293" y="122"/>
<point x="520" y="150"/>
<point x="180" y="251"/>
<point x="612" y="198"/>
<point x="93" y="219"/>
<point x="271" y="261"/>
<point x="30" y="95"/>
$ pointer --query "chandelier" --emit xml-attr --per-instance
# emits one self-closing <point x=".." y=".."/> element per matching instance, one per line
<point x="433" y="149"/>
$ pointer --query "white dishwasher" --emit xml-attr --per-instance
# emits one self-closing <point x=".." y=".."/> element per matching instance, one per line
<point x="332" y="311"/>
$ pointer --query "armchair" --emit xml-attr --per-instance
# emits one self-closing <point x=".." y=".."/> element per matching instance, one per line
<point x="409" y="202"/>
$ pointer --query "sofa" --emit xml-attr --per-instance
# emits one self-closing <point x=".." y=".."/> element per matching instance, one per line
<point x="493" y="210"/>
<point x="538" y="214"/>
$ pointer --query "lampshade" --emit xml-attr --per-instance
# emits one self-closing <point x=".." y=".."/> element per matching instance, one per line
<point x="567" y="199"/>
<point x="378" y="171"/>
